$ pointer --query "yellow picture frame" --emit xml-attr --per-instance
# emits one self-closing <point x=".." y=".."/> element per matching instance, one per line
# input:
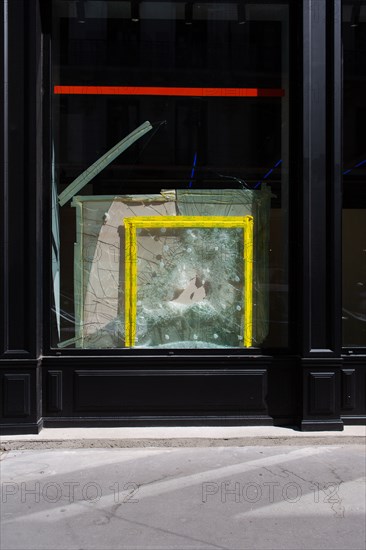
<point x="153" y="222"/>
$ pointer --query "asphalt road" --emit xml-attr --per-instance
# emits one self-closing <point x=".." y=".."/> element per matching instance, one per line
<point x="251" y="497"/>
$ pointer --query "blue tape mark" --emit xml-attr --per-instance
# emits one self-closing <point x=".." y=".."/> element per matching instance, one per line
<point x="268" y="173"/>
<point x="353" y="167"/>
<point x="193" y="169"/>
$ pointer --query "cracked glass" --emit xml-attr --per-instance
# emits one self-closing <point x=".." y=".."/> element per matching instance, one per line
<point x="173" y="110"/>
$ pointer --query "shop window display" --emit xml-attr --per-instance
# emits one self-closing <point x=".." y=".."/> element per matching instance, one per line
<point x="161" y="120"/>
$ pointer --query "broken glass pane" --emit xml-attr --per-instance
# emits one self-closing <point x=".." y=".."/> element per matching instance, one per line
<point x="185" y="286"/>
<point x="190" y="285"/>
<point x="99" y="264"/>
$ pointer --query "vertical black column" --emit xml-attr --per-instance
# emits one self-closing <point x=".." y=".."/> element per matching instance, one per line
<point x="321" y="233"/>
<point x="21" y="180"/>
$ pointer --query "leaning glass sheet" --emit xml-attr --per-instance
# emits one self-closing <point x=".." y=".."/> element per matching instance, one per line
<point x="189" y="281"/>
<point x="99" y="264"/>
<point x="240" y="202"/>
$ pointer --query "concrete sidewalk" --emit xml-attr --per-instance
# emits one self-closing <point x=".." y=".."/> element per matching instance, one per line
<point x="195" y="436"/>
<point x="282" y="497"/>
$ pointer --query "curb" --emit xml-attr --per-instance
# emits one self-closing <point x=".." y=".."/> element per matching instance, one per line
<point x="16" y="445"/>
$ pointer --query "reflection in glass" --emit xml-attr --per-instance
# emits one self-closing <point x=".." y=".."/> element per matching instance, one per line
<point x="354" y="174"/>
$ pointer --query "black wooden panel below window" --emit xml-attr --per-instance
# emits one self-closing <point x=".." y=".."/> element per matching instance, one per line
<point x="348" y="389"/>
<point x="322" y="393"/>
<point x="16" y="394"/>
<point x="54" y="391"/>
<point x="116" y="391"/>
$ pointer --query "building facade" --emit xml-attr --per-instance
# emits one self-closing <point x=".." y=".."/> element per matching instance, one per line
<point x="183" y="219"/>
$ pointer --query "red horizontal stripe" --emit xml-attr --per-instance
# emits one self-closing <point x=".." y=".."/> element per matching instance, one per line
<point x="171" y="91"/>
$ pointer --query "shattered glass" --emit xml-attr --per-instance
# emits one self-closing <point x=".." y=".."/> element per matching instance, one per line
<point x="190" y="288"/>
<point x="240" y="202"/>
<point x="201" y="109"/>
<point x="99" y="264"/>
<point x="190" y="281"/>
